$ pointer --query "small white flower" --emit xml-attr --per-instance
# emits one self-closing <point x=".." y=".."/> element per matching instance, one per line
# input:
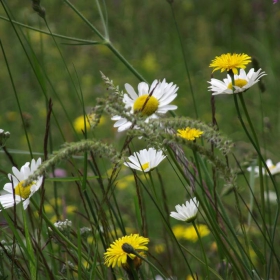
<point x="242" y="82"/>
<point x="145" y="160"/>
<point x="150" y="106"/>
<point x="17" y="192"/>
<point x="4" y="135"/>
<point x="274" y="169"/>
<point x="63" y="225"/>
<point x="186" y="212"/>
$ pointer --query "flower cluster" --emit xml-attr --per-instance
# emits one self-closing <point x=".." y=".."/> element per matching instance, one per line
<point x="233" y="83"/>
<point x="62" y="226"/>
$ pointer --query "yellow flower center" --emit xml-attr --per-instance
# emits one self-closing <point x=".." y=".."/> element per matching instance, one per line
<point x="145" y="166"/>
<point x="150" y="106"/>
<point x="22" y="191"/>
<point x="239" y="83"/>
<point x="271" y="167"/>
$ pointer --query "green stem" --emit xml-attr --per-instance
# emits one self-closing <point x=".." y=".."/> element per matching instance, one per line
<point x="58" y="233"/>
<point x="202" y="249"/>
<point x="256" y="146"/>
<point x="125" y="62"/>
<point x="17" y="99"/>
<point x="106" y="42"/>
<point x="153" y="185"/>
<point x="148" y="262"/>
<point x="251" y="203"/>
<point x="102" y="19"/>
<point x="184" y="56"/>
<point x="51" y="34"/>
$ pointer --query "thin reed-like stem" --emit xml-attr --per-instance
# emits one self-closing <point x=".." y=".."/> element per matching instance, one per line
<point x="184" y="57"/>
<point x="202" y="248"/>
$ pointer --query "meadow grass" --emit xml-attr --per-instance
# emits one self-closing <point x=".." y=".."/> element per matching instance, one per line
<point x="92" y="214"/>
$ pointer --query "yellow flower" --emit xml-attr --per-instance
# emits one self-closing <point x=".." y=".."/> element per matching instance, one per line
<point x="189" y="133"/>
<point x="125" y="182"/>
<point x="190" y="233"/>
<point x="79" y="123"/>
<point x="115" y="255"/>
<point x="178" y="231"/>
<point x="159" y="248"/>
<point x="230" y="62"/>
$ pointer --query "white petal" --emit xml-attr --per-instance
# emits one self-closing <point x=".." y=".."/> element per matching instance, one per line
<point x="18" y="174"/>
<point x="143" y="88"/>
<point x="130" y="90"/>
<point x="8" y="187"/>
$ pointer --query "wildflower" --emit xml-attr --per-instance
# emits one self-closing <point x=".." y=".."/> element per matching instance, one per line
<point x="189" y="133"/>
<point x="17" y="192"/>
<point x="125" y="182"/>
<point x="275" y="1"/>
<point x="242" y="82"/>
<point x="85" y="232"/>
<point x="230" y="62"/>
<point x="145" y="160"/>
<point x="59" y="173"/>
<point x="274" y="169"/>
<point x="116" y="255"/>
<point x="4" y="135"/>
<point x="186" y="212"/>
<point x="189" y="232"/>
<point x="79" y="123"/>
<point x="179" y="231"/>
<point x="150" y="102"/>
<point x="191" y="235"/>
<point x="160" y="248"/>
<point x="62" y="226"/>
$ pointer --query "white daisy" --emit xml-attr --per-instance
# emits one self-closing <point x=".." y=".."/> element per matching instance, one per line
<point x="242" y="82"/>
<point x="186" y="213"/>
<point x="274" y="169"/>
<point x="151" y="101"/>
<point x="145" y="160"/>
<point x="17" y="192"/>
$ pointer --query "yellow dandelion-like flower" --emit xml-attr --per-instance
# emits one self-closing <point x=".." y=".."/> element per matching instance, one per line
<point x="189" y="133"/>
<point x="230" y="62"/>
<point x="79" y="124"/>
<point x="179" y="231"/>
<point x="115" y="254"/>
<point x="191" y="235"/>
